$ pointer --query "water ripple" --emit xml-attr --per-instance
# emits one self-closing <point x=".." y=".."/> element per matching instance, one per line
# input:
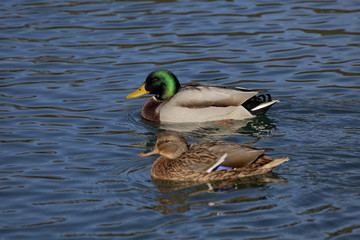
<point x="69" y="140"/>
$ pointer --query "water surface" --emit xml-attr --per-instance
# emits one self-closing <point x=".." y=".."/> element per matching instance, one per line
<point x="69" y="140"/>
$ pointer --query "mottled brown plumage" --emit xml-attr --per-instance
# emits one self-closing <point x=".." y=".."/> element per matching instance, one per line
<point x="198" y="161"/>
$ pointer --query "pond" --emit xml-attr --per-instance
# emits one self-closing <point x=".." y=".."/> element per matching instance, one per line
<point x="70" y="141"/>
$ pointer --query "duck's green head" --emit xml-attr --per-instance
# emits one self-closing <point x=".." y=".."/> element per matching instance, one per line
<point x="163" y="83"/>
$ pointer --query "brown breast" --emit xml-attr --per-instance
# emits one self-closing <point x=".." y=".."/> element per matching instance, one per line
<point x="149" y="110"/>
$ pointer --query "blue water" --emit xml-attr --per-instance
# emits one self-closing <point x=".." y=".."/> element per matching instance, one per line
<point x="69" y="140"/>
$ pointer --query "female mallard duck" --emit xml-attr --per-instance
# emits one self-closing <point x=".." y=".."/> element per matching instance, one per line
<point x="197" y="103"/>
<point x="206" y="161"/>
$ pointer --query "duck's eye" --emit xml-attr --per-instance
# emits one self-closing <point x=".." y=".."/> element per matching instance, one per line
<point x="155" y="79"/>
<point x="167" y="140"/>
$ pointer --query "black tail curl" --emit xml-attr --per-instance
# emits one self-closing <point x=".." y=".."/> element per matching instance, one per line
<point x="255" y="101"/>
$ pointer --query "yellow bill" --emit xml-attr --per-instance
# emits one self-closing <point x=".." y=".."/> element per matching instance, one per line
<point x="141" y="91"/>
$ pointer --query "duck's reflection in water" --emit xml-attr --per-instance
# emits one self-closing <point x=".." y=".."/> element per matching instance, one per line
<point x="179" y="197"/>
<point x="221" y="129"/>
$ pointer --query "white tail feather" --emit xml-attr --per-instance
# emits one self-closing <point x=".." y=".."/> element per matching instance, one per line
<point x="276" y="162"/>
<point x="264" y="105"/>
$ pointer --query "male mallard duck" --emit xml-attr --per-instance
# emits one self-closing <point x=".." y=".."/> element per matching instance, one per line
<point x="206" y="161"/>
<point x="197" y="103"/>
